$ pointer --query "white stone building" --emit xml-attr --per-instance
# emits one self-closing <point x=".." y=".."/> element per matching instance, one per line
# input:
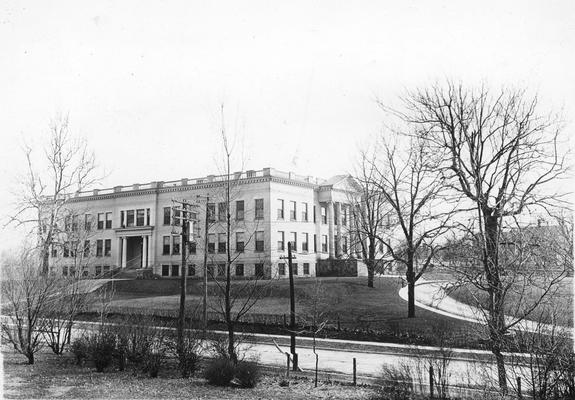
<point x="130" y="227"/>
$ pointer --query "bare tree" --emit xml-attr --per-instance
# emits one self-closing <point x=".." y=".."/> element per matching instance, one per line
<point x="67" y="167"/>
<point x="26" y="295"/>
<point x="500" y="152"/>
<point x="405" y="176"/>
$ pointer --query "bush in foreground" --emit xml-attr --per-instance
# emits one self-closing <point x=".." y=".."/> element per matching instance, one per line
<point x="220" y="371"/>
<point x="101" y="347"/>
<point x="80" y="348"/>
<point x="248" y="374"/>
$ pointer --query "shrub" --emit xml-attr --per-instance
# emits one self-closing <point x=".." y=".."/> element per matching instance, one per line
<point x="220" y="371"/>
<point x="101" y="349"/>
<point x="187" y="355"/>
<point x="248" y="374"/>
<point x="80" y="349"/>
<point x="153" y="361"/>
<point x="394" y="383"/>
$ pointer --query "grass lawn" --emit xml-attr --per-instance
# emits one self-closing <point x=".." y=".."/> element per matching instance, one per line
<point x="347" y="299"/>
<point x="58" y="377"/>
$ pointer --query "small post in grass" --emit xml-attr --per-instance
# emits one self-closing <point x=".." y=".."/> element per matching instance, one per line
<point x="354" y="371"/>
<point x="287" y="366"/>
<point x="430" y="382"/>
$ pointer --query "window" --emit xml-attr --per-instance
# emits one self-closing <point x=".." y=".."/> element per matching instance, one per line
<point x="167" y="216"/>
<point x="314" y="214"/>
<point x="280" y="209"/>
<point x="222" y="212"/>
<point x="315" y="243"/>
<point x="306" y="268"/>
<point x="176" y="244"/>
<point x="211" y="270"/>
<point x="86" y="248"/>
<point x="101" y="220"/>
<point x="165" y="245"/>
<point x="323" y="215"/>
<point x="211" y="243"/>
<point x="191" y="269"/>
<point x="74" y="223"/>
<point x="108" y="220"/>
<point x="239" y="210"/>
<point x="344" y="244"/>
<point x="281" y="269"/>
<point x="88" y="222"/>
<point x="221" y="243"/>
<point x="239" y="269"/>
<point x="100" y="248"/>
<point x="304" y="212"/>
<point x="324" y="243"/>
<point x="221" y="269"/>
<point x="176" y="217"/>
<point x="175" y="270"/>
<point x="239" y="242"/>
<point x="211" y="212"/>
<point x="73" y="248"/>
<point x="130" y="218"/>
<point x="304" y="243"/>
<point x="107" y="247"/>
<point x="344" y="215"/>
<point x="192" y="247"/>
<point x="98" y="270"/>
<point x="54" y="251"/>
<point x="259" y="270"/>
<point x="292" y="210"/>
<point x="259" y="241"/>
<point x="65" y="271"/>
<point x="106" y="269"/>
<point x="293" y="241"/>
<point x="281" y="241"/>
<point x="259" y="208"/>
<point x="66" y="252"/>
<point x="140" y="217"/>
<point x="165" y="270"/>
<point x="294" y="268"/>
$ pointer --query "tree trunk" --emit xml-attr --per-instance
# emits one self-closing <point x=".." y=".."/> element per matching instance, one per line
<point x="410" y="275"/>
<point x="231" y="343"/>
<point x="370" y="273"/>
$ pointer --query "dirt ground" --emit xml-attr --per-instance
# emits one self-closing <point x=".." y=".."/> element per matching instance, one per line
<point x="58" y="377"/>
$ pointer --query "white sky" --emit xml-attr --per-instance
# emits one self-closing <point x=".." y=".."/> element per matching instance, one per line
<point x="142" y="80"/>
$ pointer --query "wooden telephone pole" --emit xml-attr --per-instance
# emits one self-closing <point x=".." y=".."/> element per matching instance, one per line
<point x="292" y="308"/>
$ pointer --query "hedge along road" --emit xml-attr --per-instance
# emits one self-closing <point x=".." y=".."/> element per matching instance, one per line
<point x="466" y="368"/>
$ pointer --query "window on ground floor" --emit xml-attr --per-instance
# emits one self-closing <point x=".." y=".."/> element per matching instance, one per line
<point x="281" y="269"/>
<point x="306" y="268"/>
<point x="175" y="270"/>
<point x="221" y="269"/>
<point x="239" y="269"/>
<point x="165" y="270"/>
<point x="259" y="270"/>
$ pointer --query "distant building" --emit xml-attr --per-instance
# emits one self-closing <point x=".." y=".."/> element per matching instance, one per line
<point x="130" y="227"/>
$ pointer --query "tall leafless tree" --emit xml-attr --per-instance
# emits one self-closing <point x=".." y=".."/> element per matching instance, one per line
<point x="501" y="153"/>
<point x="65" y="168"/>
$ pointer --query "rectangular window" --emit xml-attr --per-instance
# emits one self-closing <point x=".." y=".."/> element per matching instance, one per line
<point x="344" y="244"/>
<point x="281" y="241"/>
<point x="176" y="217"/>
<point x="323" y="215"/>
<point x="259" y="270"/>
<point x="239" y="269"/>
<point x="65" y="271"/>
<point x="304" y="212"/>
<point x="86" y="248"/>
<point x="165" y="270"/>
<point x="211" y="243"/>
<point x="167" y="215"/>
<point x="211" y="270"/>
<point x="293" y="242"/>
<point x="239" y="210"/>
<point x="66" y="252"/>
<point x="106" y="269"/>
<point x="259" y="208"/>
<point x="54" y="251"/>
<point x="292" y="210"/>
<point x="88" y="222"/>
<point x="101" y="217"/>
<point x="140" y="217"/>
<point x="74" y="223"/>
<point x="344" y="215"/>
<point x="282" y="269"/>
<point x="306" y="268"/>
<point x="221" y="269"/>
<point x="130" y="218"/>
<point x="191" y="269"/>
<point x="108" y="220"/>
<point x="175" y="270"/>
<point x="176" y="240"/>
<point x="239" y="242"/>
<point x="211" y="212"/>
<point x="324" y="243"/>
<point x="315" y="243"/>
<point x="294" y="268"/>
<point x="221" y="243"/>
<point x="304" y="243"/>
<point x="165" y="245"/>
<point x="314" y="214"/>
<point x="222" y="211"/>
<point x="192" y="247"/>
<point x="280" y="209"/>
<point x="100" y="248"/>
<point x="259" y="241"/>
<point x="98" y="270"/>
<point x="107" y="247"/>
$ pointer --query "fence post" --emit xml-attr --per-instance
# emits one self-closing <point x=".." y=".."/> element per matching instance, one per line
<point x="519" y="394"/>
<point x="287" y="366"/>
<point x="354" y="371"/>
<point x="430" y="382"/>
<point x="295" y="362"/>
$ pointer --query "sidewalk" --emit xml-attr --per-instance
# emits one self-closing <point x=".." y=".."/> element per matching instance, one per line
<point x="431" y="295"/>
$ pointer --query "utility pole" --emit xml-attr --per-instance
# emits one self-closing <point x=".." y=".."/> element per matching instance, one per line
<point x="205" y="301"/>
<point x="292" y="308"/>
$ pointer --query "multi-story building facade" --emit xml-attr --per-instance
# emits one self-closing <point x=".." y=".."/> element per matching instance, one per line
<point x="131" y="226"/>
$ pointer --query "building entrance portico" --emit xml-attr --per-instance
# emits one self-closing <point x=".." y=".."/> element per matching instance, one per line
<point x="134" y="247"/>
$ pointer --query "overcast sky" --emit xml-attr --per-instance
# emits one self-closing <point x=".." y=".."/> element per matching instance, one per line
<point x="142" y="81"/>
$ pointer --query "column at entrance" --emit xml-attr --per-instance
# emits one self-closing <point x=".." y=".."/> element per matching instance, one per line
<point x="124" y="251"/>
<point x="144" y="251"/>
<point x="330" y="231"/>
